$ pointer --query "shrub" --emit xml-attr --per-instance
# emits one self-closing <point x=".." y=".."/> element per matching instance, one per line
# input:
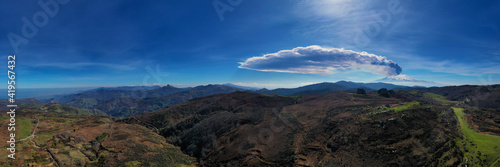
<point x="384" y="92"/>
<point x="101" y="137"/>
<point x="361" y="91"/>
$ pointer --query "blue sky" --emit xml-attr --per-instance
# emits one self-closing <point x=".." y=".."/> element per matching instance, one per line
<point x="111" y="43"/>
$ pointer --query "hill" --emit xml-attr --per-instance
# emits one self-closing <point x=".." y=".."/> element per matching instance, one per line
<point x="329" y="129"/>
<point x="134" y="100"/>
<point x="327" y="87"/>
<point x="217" y="125"/>
<point x="487" y="96"/>
<point x="126" y="106"/>
<point x="128" y="101"/>
<point x="65" y="139"/>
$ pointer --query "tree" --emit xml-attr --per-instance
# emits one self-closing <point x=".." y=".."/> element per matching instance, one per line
<point x="361" y="91"/>
<point x="383" y="92"/>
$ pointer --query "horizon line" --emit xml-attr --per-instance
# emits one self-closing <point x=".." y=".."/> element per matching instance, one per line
<point x="242" y="85"/>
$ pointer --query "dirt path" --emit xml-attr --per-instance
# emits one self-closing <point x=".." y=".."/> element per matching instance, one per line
<point x="34" y="130"/>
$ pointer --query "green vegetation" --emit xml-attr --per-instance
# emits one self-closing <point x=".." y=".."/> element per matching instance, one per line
<point x="398" y="108"/>
<point x="77" y="156"/>
<point x="171" y="155"/>
<point x="26" y="127"/>
<point x="82" y="111"/>
<point x="132" y="163"/>
<point x="67" y="110"/>
<point x="42" y="140"/>
<point x="437" y="97"/>
<point x="56" y="108"/>
<point x="84" y="102"/>
<point x="352" y="97"/>
<point x="42" y="159"/>
<point x="383" y="92"/>
<point x="101" y="137"/>
<point x="479" y="149"/>
<point x="450" y="157"/>
<point x="62" y="134"/>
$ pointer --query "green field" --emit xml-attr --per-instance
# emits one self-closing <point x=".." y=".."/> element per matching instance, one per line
<point x="479" y="149"/>
<point x="397" y="108"/>
<point x="437" y="97"/>
<point x="26" y="128"/>
<point x="4" y="117"/>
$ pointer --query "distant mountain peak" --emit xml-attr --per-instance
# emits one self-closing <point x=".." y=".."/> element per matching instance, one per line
<point x="403" y="79"/>
<point x="400" y="77"/>
<point x="169" y="86"/>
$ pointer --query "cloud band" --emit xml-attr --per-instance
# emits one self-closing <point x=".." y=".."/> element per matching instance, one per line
<point x="318" y="60"/>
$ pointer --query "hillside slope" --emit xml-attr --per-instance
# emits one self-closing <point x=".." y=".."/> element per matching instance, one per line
<point x="331" y="129"/>
<point x="129" y="101"/>
<point x="70" y="140"/>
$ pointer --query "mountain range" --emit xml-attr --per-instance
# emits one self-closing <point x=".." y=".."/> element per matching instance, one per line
<point x="324" y="124"/>
<point x="409" y="128"/>
<point x="403" y="79"/>
<point x="133" y="100"/>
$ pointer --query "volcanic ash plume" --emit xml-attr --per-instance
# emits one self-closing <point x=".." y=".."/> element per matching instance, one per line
<point x="318" y="60"/>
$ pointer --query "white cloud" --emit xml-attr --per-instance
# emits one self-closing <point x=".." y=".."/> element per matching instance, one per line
<point x="318" y="60"/>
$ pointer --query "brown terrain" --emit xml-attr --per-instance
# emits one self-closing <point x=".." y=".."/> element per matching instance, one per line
<point x="331" y="129"/>
<point x="65" y="140"/>
<point x="381" y="128"/>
